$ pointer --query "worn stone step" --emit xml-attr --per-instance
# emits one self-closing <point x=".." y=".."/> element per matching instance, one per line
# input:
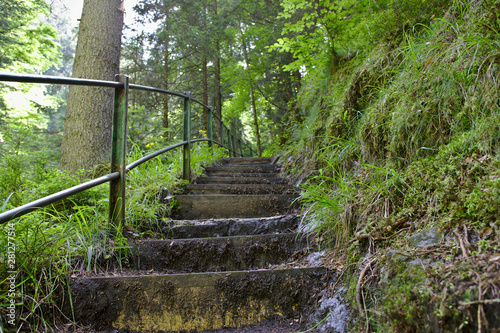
<point x="247" y="160"/>
<point x="241" y="180"/>
<point x="194" y="302"/>
<point x="193" y="207"/>
<point x="230" y="227"/>
<point x="246" y="175"/>
<point x="216" y="254"/>
<point x="243" y="169"/>
<point x="240" y="189"/>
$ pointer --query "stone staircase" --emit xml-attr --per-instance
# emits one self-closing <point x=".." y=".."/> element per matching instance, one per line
<point x="238" y="188"/>
<point x="229" y="259"/>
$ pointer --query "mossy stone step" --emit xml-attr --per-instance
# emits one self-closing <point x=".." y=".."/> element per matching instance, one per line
<point x="220" y="249"/>
<point x="246" y="175"/>
<point x="194" y="302"/>
<point x="247" y="160"/>
<point x="244" y="169"/>
<point x="240" y="189"/>
<point x="217" y="254"/>
<point x="193" y="207"/>
<point x="241" y="179"/>
<point x="229" y="227"/>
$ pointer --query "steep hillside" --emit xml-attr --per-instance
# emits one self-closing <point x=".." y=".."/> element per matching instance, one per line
<point x="398" y="155"/>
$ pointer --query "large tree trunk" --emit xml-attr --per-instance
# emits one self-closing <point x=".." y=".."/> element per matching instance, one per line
<point x="88" y="122"/>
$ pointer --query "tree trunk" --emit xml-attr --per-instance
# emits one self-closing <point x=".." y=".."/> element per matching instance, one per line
<point x="205" y="68"/>
<point x="166" y="123"/>
<point x="334" y="62"/>
<point x="252" y="94"/>
<point x="88" y="122"/>
<point x="217" y="87"/>
<point x="205" y="91"/>
<point x="255" y="119"/>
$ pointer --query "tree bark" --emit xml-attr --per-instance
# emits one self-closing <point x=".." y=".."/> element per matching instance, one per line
<point x="205" y="91"/>
<point x="252" y="94"/>
<point x="166" y="122"/>
<point x="217" y="87"/>
<point x="255" y="119"/>
<point x="205" y="68"/>
<point x="88" y="123"/>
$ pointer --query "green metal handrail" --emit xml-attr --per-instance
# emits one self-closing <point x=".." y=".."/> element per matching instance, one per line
<point x="119" y="168"/>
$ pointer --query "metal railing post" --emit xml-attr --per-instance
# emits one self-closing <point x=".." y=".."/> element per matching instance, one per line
<point x="186" y="157"/>
<point x="209" y="127"/>
<point x="118" y="154"/>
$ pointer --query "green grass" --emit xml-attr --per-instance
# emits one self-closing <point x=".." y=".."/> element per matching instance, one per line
<point x="409" y="132"/>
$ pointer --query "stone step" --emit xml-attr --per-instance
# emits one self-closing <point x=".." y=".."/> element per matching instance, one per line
<point x="245" y="175"/>
<point x="216" y="254"/>
<point x="247" y="160"/>
<point x="194" y="302"/>
<point x="242" y="180"/>
<point x="230" y="227"/>
<point x="240" y="189"/>
<point x="243" y="169"/>
<point x="193" y="207"/>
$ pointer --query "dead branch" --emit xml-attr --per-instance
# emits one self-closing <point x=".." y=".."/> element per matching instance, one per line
<point x="461" y="242"/>
<point x="495" y="227"/>
<point x="360" y="236"/>
<point x="482" y="301"/>
<point x="359" y="300"/>
<point x="377" y="239"/>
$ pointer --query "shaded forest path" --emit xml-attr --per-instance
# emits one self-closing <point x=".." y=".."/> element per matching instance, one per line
<point x="232" y="261"/>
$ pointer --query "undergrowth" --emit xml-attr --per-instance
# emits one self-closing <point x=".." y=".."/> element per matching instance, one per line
<point x="405" y="139"/>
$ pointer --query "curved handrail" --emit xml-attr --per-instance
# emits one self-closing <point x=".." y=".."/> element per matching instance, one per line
<point x="48" y="79"/>
<point x="146" y="158"/>
<point x="152" y="89"/>
<point x="50" y="199"/>
<point x="45" y="201"/>
<point x="119" y="85"/>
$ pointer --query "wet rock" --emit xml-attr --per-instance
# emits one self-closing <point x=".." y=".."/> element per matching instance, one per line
<point x="335" y="313"/>
<point x="315" y="259"/>
<point x="426" y="238"/>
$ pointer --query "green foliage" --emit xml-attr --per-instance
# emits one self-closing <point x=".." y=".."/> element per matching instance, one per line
<point x="25" y="158"/>
<point x="460" y="183"/>
<point x="323" y="29"/>
<point x="404" y="302"/>
<point x="321" y="33"/>
<point x="26" y="45"/>
<point x="402" y="139"/>
<point x="328" y="197"/>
